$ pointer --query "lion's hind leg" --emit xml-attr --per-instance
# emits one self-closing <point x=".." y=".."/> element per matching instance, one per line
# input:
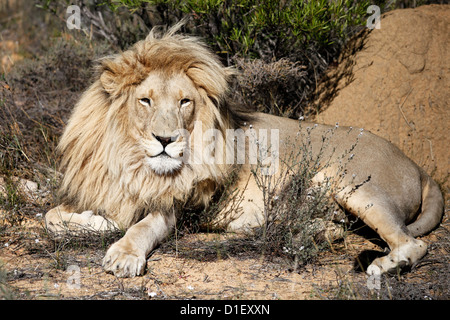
<point x="405" y="254"/>
<point x="376" y="211"/>
<point x="62" y="220"/>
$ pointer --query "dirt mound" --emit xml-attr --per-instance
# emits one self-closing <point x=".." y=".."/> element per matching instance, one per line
<point x="394" y="81"/>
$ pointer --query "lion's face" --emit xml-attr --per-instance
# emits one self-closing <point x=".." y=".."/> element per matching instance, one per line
<point x="163" y="109"/>
<point x="136" y="138"/>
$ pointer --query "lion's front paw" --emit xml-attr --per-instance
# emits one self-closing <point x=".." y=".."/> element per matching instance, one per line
<point x="123" y="261"/>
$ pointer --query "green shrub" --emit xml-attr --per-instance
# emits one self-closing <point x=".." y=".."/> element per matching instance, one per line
<point x="306" y="33"/>
<point x="261" y="29"/>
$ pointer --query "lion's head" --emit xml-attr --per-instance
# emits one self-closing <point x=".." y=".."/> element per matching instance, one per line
<point x="125" y="147"/>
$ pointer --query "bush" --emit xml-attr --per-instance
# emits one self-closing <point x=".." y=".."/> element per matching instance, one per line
<point x="6" y="292"/>
<point x="271" y="87"/>
<point x="299" y="216"/>
<point x="302" y="33"/>
<point x="268" y="29"/>
<point x="45" y="91"/>
<point x="306" y="33"/>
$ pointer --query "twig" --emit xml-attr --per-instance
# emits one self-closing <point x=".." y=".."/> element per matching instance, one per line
<point x="99" y="23"/>
<point x="431" y="149"/>
<point x="400" y="108"/>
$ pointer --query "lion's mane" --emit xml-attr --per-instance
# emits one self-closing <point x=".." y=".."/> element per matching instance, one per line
<point x="102" y="163"/>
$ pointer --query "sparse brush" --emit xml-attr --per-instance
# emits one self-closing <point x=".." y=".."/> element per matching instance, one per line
<point x="12" y="200"/>
<point x="36" y="98"/>
<point x="300" y="217"/>
<point x="6" y="292"/>
<point x="63" y="242"/>
<point x="276" y="87"/>
<point x="50" y="85"/>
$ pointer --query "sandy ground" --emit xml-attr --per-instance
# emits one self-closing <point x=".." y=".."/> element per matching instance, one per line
<point x="208" y="266"/>
<point x="397" y="85"/>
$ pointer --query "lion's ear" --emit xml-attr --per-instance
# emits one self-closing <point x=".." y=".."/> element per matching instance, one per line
<point x="108" y="75"/>
<point x="119" y="73"/>
<point x="107" y="80"/>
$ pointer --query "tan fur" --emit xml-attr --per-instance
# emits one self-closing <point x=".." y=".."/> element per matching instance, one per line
<point x="102" y="163"/>
<point x="113" y="166"/>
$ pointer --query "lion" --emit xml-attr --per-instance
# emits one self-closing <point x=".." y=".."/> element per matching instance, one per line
<point x="132" y="158"/>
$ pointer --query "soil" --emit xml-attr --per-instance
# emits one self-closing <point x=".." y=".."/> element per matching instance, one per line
<point x="397" y="85"/>
<point x="211" y="266"/>
<point x="394" y="82"/>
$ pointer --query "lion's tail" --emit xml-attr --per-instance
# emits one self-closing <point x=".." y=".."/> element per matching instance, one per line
<point x="432" y="207"/>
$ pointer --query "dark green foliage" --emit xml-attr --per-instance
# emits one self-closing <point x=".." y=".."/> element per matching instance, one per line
<point x="303" y="33"/>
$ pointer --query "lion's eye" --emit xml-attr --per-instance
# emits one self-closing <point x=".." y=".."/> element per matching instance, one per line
<point x="185" y="102"/>
<point x="145" y="102"/>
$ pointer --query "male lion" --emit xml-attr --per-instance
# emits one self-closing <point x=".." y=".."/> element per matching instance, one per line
<point x="132" y="159"/>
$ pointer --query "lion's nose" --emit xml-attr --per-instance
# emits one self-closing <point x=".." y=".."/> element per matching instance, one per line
<point x="165" y="140"/>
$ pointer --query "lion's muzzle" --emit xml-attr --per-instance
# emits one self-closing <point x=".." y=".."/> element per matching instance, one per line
<point x="164" y="154"/>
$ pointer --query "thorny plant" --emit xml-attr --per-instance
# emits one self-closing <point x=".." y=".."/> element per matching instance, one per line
<point x="300" y="218"/>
